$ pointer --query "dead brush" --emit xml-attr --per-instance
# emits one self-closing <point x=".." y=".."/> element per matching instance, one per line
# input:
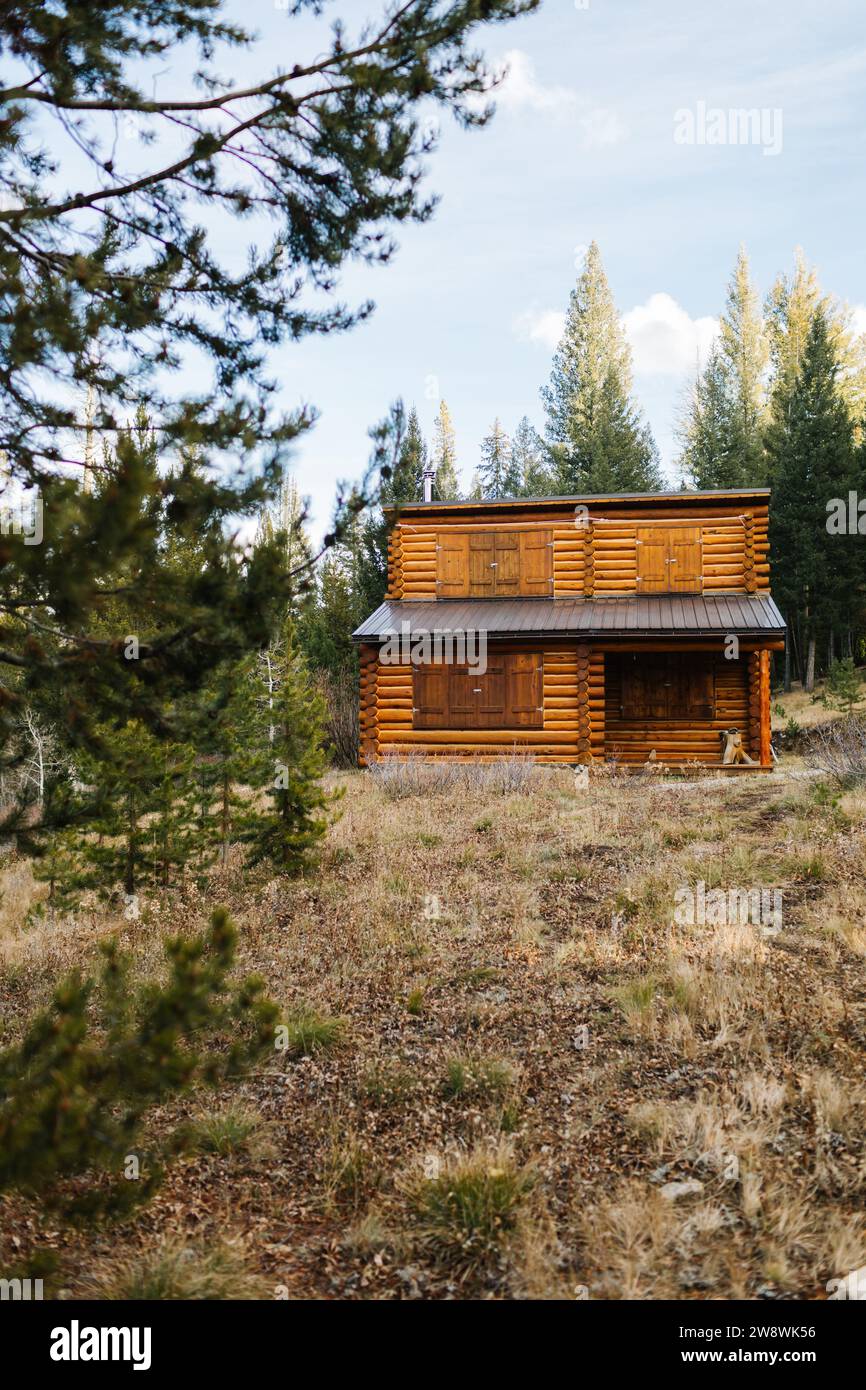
<point x="398" y="777"/>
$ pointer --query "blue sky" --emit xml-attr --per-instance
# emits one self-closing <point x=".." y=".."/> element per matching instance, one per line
<point x="582" y="147"/>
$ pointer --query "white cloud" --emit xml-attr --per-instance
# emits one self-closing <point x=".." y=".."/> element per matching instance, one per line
<point x="521" y="90"/>
<point x="858" y="318"/>
<point x="542" y="326"/>
<point x="664" y="340"/>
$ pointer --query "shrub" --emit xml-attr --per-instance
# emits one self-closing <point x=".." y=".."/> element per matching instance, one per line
<point x="839" y="750"/>
<point x="74" y="1093"/>
<point x="308" y="1032"/>
<point x="469" y="1210"/>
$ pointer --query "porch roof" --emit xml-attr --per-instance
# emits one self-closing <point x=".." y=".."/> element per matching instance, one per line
<point x="659" y="615"/>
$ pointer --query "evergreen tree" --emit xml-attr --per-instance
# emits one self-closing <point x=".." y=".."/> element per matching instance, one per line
<point x="530" y="462"/>
<point x="407" y="481"/>
<point x="744" y="351"/>
<point x="290" y="770"/>
<point x="76" y="1092"/>
<point x="709" y="458"/>
<point x="791" y="307"/>
<point x="115" y="286"/>
<point x="446" y="484"/>
<point x="497" y="471"/>
<point x="812" y="458"/>
<point x="596" y="437"/>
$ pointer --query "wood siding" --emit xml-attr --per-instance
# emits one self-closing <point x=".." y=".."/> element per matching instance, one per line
<point x="597" y="554"/>
<point x="631" y="740"/>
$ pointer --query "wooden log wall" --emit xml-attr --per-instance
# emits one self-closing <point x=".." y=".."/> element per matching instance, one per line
<point x="369" y="660"/>
<point x="759" y="707"/>
<point x="573" y="698"/>
<point x="631" y="741"/>
<point x="600" y="556"/>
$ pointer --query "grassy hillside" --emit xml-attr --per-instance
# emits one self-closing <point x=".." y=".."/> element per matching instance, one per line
<point x="511" y="1071"/>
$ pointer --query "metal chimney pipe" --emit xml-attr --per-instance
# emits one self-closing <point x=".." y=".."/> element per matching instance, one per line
<point x="428" y="475"/>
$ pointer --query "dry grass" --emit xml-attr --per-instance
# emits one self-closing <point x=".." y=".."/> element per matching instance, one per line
<point x="511" y="1070"/>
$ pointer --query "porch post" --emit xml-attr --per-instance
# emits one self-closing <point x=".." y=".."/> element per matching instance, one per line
<point x="584" y="728"/>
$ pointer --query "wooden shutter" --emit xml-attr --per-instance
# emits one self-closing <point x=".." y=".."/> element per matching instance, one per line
<point x="652" y="556"/>
<point x="463" y="688"/>
<point x="430" y="697"/>
<point x="645" y="686"/>
<point x="536" y="563"/>
<point x="506" y="562"/>
<point x="524" y="690"/>
<point x="452" y="550"/>
<point x="490" y="695"/>
<point x="684" y="559"/>
<point x="482" y="573"/>
<point x="701" y="691"/>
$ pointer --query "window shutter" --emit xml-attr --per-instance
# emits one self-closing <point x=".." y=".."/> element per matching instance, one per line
<point x="463" y="685"/>
<point x="702" y="693"/>
<point x="482" y="574"/>
<point x="507" y="558"/>
<point x="685" y="559"/>
<point x="645" y="686"/>
<point x="452" y="570"/>
<point x="524" y="690"/>
<point x="536" y="563"/>
<point x="652" y="556"/>
<point x="430" y="697"/>
<point x="490" y="695"/>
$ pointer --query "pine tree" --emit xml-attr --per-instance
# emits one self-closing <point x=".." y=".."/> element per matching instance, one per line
<point x="290" y="769"/>
<point x="406" y="484"/>
<point x="810" y="445"/>
<point x="744" y="351"/>
<point x="109" y="291"/>
<point x="596" y="437"/>
<point x="497" y="471"/>
<point x="76" y="1092"/>
<point x="791" y="307"/>
<point x="446" y="485"/>
<point x="706" y="433"/>
<point x="530" y="461"/>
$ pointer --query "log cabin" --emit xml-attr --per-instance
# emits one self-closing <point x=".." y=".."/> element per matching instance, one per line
<point x="625" y="628"/>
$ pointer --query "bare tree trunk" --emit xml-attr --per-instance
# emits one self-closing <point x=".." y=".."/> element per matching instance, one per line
<point x="809" y="684"/>
<point x="787" y="683"/>
<point x="831" y="648"/>
<point x="225" y="817"/>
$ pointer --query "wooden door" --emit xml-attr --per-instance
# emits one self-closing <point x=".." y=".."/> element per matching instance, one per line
<point x="430" y="697"/>
<point x="452" y="551"/>
<point x="463" y="687"/>
<point x="684" y="559"/>
<point x="482" y="565"/>
<point x="489" y="692"/>
<point x="506" y="564"/>
<point x="524" y="689"/>
<point x="652" y="559"/>
<point x="536" y="563"/>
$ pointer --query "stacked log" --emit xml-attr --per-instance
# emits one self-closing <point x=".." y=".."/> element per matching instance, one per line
<point x="632" y="740"/>
<point x="615" y="558"/>
<point x="368" y="673"/>
<point x="569" y="560"/>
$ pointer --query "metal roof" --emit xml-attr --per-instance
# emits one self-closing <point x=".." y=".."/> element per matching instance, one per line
<point x="661" y="615"/>
<point x="726" y="494"/>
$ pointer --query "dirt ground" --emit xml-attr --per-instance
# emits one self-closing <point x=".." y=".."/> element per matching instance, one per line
<point x="530" y="1055"/>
